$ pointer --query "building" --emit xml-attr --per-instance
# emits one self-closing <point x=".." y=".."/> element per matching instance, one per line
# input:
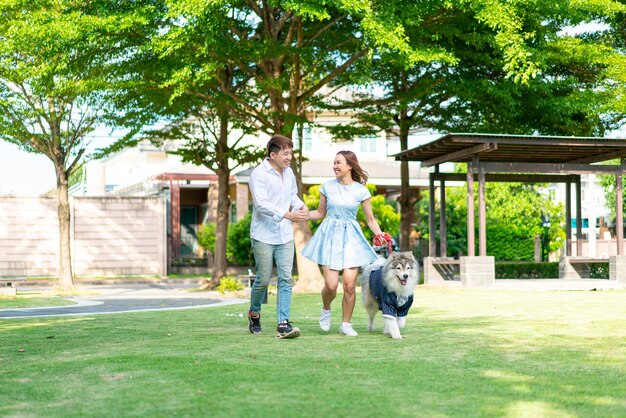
<point x="190" y="191"/>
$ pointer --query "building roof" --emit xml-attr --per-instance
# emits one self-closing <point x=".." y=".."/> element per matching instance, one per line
<point x="462" y="147"/>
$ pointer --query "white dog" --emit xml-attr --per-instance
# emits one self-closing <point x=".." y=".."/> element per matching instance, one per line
<point x="388" y="285"/>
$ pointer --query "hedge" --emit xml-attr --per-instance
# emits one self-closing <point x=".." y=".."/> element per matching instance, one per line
<point x="550" y="270"/>
<point x="527" y="270"/>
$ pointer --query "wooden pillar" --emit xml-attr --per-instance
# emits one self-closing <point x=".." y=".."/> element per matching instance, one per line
<point x="568" y="218"/>
<point x="482" y="216"/>
<point x="579" y="219"/>
<point x="470" y="209"/>
<point x="443" y="251"/>
<point x="175" y="213"/>
<point x="619" y="214"/>
<point x="432" y="239"/>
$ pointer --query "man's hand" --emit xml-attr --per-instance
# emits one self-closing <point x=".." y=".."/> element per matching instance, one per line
<point x="298" y="216"/>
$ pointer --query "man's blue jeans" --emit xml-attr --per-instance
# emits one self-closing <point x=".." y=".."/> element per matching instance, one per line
<point x="264" y="256"/>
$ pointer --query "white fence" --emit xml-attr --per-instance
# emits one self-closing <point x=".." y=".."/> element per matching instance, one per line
<point x="110" y="236"/>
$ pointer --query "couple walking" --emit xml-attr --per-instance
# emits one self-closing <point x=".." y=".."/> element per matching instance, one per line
<point x="338" y="245"/>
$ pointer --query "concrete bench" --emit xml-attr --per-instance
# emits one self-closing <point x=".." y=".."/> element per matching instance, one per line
<point x="444" y="261"/>
<point x="574" y="260"/>
<point x="441" y="268"/>
<point x="477" y="271"/>
<point x="249" y="280"/>
<point x="577" y="267"/>
<point x="246" y="279"/>
<point x="8" y="286"/>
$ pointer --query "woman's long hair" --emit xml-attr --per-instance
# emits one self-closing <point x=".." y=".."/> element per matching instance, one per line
<point x="358" y="174"/>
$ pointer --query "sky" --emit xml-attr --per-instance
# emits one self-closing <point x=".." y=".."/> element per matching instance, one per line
<point x="24" y="174"/>
<point x="27" y="174"/>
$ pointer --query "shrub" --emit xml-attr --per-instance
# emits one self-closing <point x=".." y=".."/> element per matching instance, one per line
<point x="206" y="237"/>
<point x="599" y="270"/>
<point x="229" y="285"/>
<point x="527" y="270"/>
<point x="238" y="247"/>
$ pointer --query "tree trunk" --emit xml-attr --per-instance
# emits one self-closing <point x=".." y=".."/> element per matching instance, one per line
<point x="66" y="282"/>
<point x="406" y="203"/>
<point x="221" y="230"/>
<point x="406" y="206"/>
<point x="223" y="205"/>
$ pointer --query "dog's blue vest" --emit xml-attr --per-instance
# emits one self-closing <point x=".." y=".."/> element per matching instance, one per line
<point x="388" y="301"/>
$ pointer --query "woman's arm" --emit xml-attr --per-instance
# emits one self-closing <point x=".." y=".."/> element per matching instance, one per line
<point x="320" y="213"/>
<point x="369" y="216"/>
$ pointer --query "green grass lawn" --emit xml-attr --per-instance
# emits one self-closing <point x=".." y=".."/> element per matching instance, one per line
<point x="465" y="353"/>
<point x="32" y="301"/>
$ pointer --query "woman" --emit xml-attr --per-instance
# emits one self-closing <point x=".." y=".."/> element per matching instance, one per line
<point x="338" y="245"/>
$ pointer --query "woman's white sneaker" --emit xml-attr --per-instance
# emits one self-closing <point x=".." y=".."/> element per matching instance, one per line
<point x="325" y="320"/>
<point x="347" y="330"/>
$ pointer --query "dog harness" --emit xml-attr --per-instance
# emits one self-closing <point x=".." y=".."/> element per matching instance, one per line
<point x="388" y="302"/>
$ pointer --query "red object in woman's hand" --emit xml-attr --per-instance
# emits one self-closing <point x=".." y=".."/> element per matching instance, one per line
<point x="383" y="239"/>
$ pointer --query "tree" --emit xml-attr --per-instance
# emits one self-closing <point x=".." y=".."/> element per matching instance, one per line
<point x="289" y="50"/>
<point x="489" y="67"/>
<point x="54" y="60"/>
<point x="204" y="138"/>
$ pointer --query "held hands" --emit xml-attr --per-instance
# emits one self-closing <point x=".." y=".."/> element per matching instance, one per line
<point x="297" y="216"/>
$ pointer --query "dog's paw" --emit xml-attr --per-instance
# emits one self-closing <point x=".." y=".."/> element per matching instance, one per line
<point x="396" y="337"/>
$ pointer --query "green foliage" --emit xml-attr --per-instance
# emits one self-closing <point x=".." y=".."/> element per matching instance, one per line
<point x="513" y="219"/>
<point x="239" y="248"/>
<point x="599" y="270"/>
<point x="548" y="270"/>
<point x="312" y="200"/>
<point x="206" y="237"/>
<point x="385" y="214"/>
<point x="229" y="285"/>
<point x="514" y="213"/>
<point x="58" y="65"/>
<point x="456" y="219"/>
<point x="608" y="185"/>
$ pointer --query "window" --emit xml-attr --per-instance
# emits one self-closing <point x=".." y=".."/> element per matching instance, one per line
<point x="367" y="143"/>
<point x="307" y="139"/>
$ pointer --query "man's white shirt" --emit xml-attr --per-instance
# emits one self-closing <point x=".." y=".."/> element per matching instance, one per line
<point x="273" y="195"/>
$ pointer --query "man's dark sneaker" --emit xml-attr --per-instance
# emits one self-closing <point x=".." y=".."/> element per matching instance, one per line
<point x="254" y="324"/>
<point x="285" y="330"/>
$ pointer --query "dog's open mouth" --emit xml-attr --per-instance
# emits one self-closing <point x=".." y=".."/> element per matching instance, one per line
<point x="403" y="281"/>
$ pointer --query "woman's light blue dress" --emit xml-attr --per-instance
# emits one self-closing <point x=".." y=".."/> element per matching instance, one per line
<point x="339" y="242"/>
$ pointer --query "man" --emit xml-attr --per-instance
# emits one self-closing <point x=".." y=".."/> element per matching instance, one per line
<point x="276" y="206"/>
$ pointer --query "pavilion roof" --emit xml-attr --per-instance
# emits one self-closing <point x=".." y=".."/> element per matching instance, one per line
<point x="462" y="147"/>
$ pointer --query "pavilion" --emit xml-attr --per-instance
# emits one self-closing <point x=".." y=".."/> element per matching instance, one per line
<point x="516" y="158"/>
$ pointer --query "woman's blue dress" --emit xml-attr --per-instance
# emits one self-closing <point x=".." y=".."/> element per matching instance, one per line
<point x="339" y="242"/>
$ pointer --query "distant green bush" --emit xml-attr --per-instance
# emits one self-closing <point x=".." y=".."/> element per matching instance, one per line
<point x="599" y="270"/>
<point x="238" y="247"/>
<point x="527" y="270"/>
<point x="206" y="237"/>
<point x="229" y="285"/>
